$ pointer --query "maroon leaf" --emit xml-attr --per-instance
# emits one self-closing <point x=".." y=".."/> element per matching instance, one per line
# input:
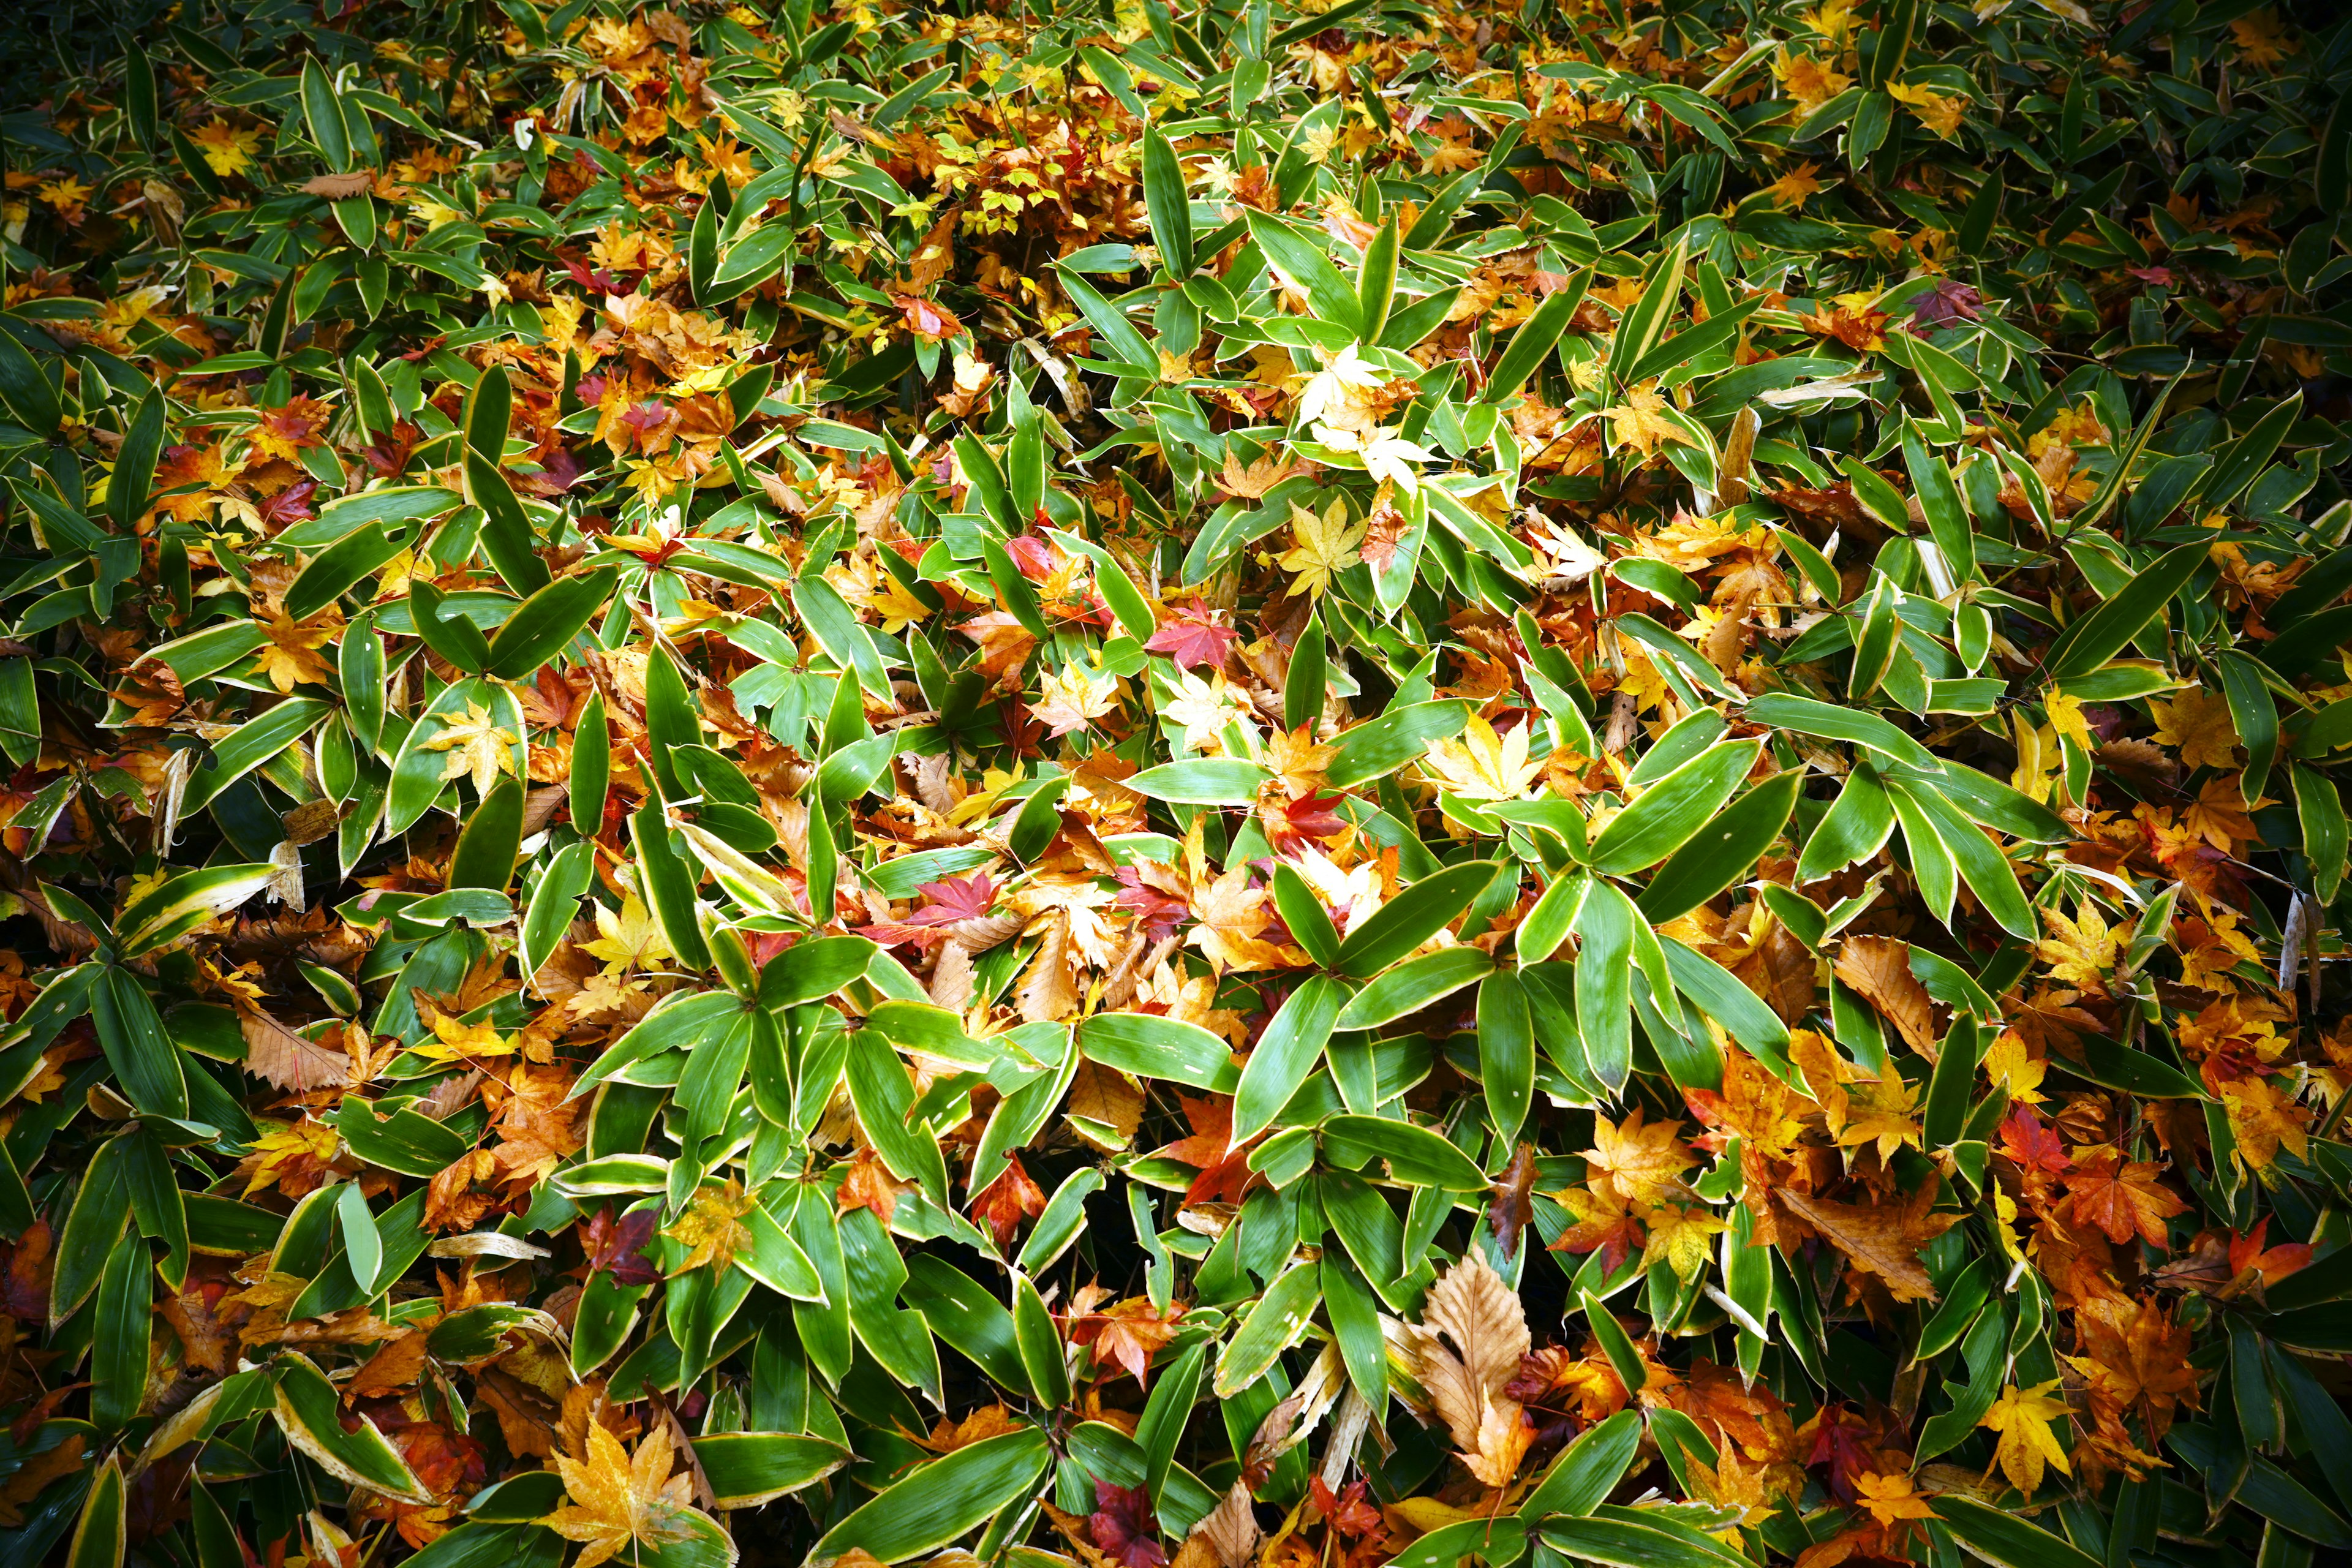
<point x="1123" y="1527"/>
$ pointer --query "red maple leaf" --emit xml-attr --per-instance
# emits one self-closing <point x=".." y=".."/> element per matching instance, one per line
<point x="950" y="901"/>
<point x="1946" y="304"/>
<point x="1349" y="1508"/>
<point x="1290" y="825"/>
<point x="1848" y="1442"/>
<point x="1005" y="1202"/>
<point x="954" y="899"/>
<point x="2033" y="1142"/>
<point x="2121" y="1198"/>
<point x="290" y="505"/>
<point x="1155" y="911"/>
<point x="1192" y="636"/>
<point x="1712" y="1111"/>
<point x="1125" y="1334"/>
<point x="1225" y="1176"/>
<point x="2276" y="1263"/>
<point x="1123" y="1527"/>
<point x="1036" y="557"/>
<point x="615" y="1246"/>
<point x="444" y="1460"/>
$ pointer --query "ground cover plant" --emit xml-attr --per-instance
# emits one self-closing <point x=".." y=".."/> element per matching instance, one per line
<point x="1141" y="785"/>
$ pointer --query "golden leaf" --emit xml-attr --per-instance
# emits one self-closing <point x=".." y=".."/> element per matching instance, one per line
<point x="2023" y="1417"/>
<point x="619" y="1500"/>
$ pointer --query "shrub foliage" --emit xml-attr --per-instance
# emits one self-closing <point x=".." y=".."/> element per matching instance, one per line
<point x="1079" y="784"/>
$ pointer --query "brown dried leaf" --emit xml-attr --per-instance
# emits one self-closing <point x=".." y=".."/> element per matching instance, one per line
<point x="1481" y="1317"/>
<point x="1879" y="969"/>
<point x="1884" y="1238"/>
<point x="1508" y="1204"/>
<point x="951" y="977"/>
<point x="396" y="1365"/>
<point x="1106" y="1096"/>
<point x="338" y="188"/>
<point x="289" y="1060"/>
<point x="1049" y="991"/>
<point x="1231" y="1530"/>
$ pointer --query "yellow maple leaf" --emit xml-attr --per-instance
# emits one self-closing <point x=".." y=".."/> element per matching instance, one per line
<point x="1807" y="81"/>
<point x="1640" y="1163"/>
<point x="2218" y="815"/>
<point x="619" y="1502"/>
<point x="1881" y="1113"/>
<point x="2196" y="724"/>
<point x="629" y="939"/>
<point x="1891" y="1498"/>
<point x="2080" y="950"/>
<point x="1072" y="697"/>
<point x="1939" y="112"/>
<point x="290" y="655"/>
<point x="2011" y="1063"/>
<point x="890" y="600"/>
<point x="2039" y="761"/>
<point x="2066" y="719"/>
<point x="477" y="745"/>
<point x="2004" y="1230"/>
<point x="1299" y="760"/>
<point x="2023" y="1417"/>
<point x="2261" y="1120"/>
<point x="454" y="1040"/>
<point x="1484" y="765"/>
<point x="1323" y="545"/>
<point x="286" y="1148"/>
<point x="1795" y="184"/>
<point x="712" y="1228"/>
<point x="226" y="148"/>
<point x="1640" y="422"/>
<point x="1681" y="1237"/>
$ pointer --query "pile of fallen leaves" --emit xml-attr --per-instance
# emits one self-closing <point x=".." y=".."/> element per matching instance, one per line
<point x="1145" y="785"/>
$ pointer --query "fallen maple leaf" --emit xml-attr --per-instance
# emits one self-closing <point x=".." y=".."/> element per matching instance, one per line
<point x="2119" y="1198"/>
<point x="1125" y="1335"/>
<point x="1192" y="634"/>
<point x="1639" y="1163"/>
<point x="1123" y="1527"/>
<point x="2023" y="1417"/>
<point x="712" y="1229"/>
<point x="618" y="1500"/>
<point x="616" y="1244"/>
<point x="1882" y="1238"/>
<point x="1005" y="1202"/>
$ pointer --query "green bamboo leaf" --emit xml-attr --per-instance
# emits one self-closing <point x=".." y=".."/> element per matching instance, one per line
<point x="1409" y="986"/>
<point x="942" y="1499"/>
<point x="1286" y="1053"/>
<point x="1168" y="205"/>
<point x="1672" y="810"/>
<point x="1535" y="340"/>
<point x="1412" y="918"/>
<point x="1303" y="259"/>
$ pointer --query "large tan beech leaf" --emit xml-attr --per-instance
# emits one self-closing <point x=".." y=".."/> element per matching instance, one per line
<point x="1472" y="1334"/>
